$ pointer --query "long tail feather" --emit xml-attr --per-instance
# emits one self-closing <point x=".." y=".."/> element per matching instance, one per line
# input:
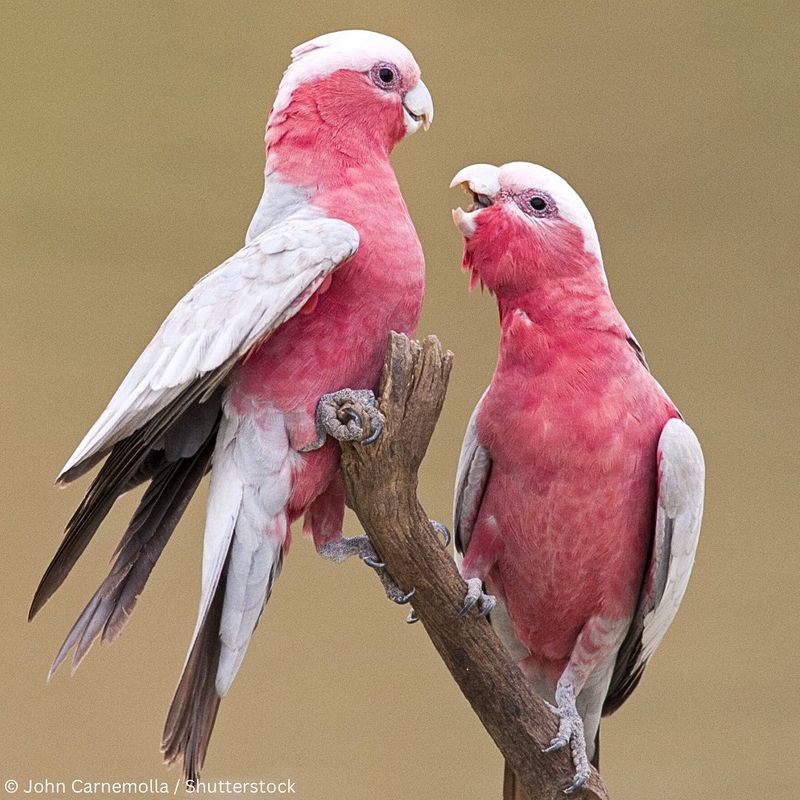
<point x="155" y="519"/>
<point x="246" y="528"/>
<point x="131" y="461"/>
<point x="117" y="476"/>
<point x="193" y="711"/>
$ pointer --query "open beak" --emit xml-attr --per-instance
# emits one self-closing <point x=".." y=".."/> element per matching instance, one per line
<point x="418" y="108"/>
<point x="480" y="181"/>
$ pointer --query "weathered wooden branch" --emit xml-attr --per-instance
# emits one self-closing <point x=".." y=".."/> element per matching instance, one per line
<point x="381" y="481"/>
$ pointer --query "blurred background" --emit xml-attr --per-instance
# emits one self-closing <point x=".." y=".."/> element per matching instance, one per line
<point x="132" y="161"/>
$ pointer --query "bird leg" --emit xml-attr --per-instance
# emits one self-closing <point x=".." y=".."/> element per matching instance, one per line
<point x="477" y="598"/>
<point x="597" y="643"/>
<point x="349" y="415"/>
<point x="341" y="549"/>
<point x="479" y="559"/>
<point x="442" y="530"/>
<point x="570" y="731"/>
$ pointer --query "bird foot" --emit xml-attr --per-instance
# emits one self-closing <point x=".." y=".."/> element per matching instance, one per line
<point x="477" y="598"/>
<point x="349" y="415"/>
<point x="341" y="549"/>
<point x="570" y="732"/>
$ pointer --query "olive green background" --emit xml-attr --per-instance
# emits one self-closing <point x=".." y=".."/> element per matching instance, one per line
<point x="132" y="160"/>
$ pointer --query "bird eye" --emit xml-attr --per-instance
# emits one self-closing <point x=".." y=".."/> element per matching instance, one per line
<point x="536" y="203"/>
<point x="385" y="76"/>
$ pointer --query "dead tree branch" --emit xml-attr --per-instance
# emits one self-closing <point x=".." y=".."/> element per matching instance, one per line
<point x="381" y="481"/>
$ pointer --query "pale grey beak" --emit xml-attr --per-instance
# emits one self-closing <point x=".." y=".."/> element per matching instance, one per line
<point x="418" y="108"/>
<point x="481" y="181"/>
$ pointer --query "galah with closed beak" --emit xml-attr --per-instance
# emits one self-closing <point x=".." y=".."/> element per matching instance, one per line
<point x="231" y="381"/>
<point x="580" y="487"/>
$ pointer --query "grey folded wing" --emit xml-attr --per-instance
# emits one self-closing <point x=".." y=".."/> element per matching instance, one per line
<point x="474" y="469"/>
<point x="224" y="315"/>
<point x="681" y="481"/>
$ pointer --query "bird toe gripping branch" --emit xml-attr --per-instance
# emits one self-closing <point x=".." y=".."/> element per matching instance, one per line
<point x="349" y="415"/>
<point x="570" y="731"/>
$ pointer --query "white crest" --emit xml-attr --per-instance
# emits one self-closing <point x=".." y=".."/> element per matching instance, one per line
<point x="356" y="50"/>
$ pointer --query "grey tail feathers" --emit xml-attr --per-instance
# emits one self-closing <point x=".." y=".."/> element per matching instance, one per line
<point x="118" y="475"/>
<point x="161" y="507"/>
<point x="131" y="461"/>
<point x="194" y="707"/>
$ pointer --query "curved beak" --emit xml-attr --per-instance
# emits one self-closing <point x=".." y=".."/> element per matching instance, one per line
<point x="418" y="108"/>
<point x="481" y="181"/>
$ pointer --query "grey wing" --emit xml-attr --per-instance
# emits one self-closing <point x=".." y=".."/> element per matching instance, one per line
<point x="678" y="514"/>
<point x="474" y="468"/>
<point x="224" y="315"/>
<point x="168" y="405"/>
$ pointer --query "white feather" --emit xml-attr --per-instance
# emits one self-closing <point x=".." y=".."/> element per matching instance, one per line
<point x="680" y="502"/>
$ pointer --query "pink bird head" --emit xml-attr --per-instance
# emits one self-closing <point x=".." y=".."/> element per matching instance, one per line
<point x="353" y="94"/>
<point x="525" y="228"/>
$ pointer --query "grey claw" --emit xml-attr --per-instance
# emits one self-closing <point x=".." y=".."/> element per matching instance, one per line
<point x="468" y="603"/>
<point x="377" y="431"/>
<point x="578" y="782"/>
<point x="475" y="594"/>
<point x="570" y="731"/>
<point x="347" y="424"/>
<point x="412" y="617"/>
<point x="356" y="418"/>
<point x="341" y="549"/>
<point x="442" y="530"/>
<point x="487" y="606"/>
<point x="403" y="599"/>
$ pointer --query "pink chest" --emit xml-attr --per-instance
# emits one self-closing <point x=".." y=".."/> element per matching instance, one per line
<point x="572" y="428"/>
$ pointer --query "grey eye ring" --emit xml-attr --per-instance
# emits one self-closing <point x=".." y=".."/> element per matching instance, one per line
<point x="536" y="203"/>
<point x="385" y="75"/>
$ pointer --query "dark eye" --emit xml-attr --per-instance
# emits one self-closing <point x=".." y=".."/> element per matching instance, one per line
<point x="385" y="75"/>
<point x="537" y="203"/>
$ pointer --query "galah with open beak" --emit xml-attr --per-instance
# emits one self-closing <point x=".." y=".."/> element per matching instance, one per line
<point x="580" y="488"/>
<point x="232" y="379"/>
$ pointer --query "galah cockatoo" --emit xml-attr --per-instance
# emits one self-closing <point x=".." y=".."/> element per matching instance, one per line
<point x="580" y="488"/>
<point x="232" y="379"/>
